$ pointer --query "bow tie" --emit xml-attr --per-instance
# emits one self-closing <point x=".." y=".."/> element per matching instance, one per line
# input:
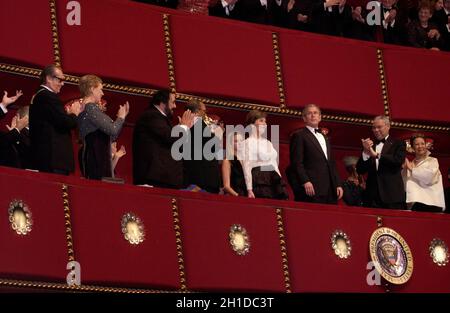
<point x="380" y="141"/>
<point x="317" y="130"/>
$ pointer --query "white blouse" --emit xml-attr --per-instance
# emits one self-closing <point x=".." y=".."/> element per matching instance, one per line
<point x="254" y="152"/>
<point x="424" y="183"/>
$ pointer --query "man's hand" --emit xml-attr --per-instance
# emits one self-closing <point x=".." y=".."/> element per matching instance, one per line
<point x="433" y="33"/>
<point x="357" y="14"/>
<point x="330" y="3"/>
<point x="9" y="100"/>
<point x="391" y="17"/>
<point x="74" y="108"/>
<point x="187" y="119"/>
<point x="250" y="194"/>
<point x="340" y="192"/>
<point x="309" y="188"/>
<point x="302" y="18"/>
<point x="290" y="5"/>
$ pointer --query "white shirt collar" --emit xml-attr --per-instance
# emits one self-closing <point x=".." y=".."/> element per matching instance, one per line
<point x="157" y="107"/>
<point x="312" y="129"/>
<point x="48" y="88"/>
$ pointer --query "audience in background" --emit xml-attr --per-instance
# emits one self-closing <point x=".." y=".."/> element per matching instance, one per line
<point x="423" y="179"/>
<point x="423" y="33"/>
<point x="354" y="186"/>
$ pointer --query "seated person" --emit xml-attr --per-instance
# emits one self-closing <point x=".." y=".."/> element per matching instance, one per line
<point x="423" y="33"/>
<point x="423" y="180"/>
<point x="232" y="174"/>
<point x="354" y="185"/>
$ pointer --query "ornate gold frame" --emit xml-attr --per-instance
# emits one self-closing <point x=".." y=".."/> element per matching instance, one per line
<point x="439" y="252"/>
<point x="20" y="217"/>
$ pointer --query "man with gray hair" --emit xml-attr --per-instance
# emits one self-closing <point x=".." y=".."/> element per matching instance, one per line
<point x="382" y="159"/>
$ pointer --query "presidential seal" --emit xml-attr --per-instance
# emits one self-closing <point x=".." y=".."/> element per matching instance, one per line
<point x="20" y="217"/>
<point x="391" y="255"/>
<point x="132" y="229"/>
<point x="240" y="243"/>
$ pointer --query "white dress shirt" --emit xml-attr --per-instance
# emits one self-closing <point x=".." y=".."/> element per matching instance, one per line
<point x="254" y="152"/>
<point x="321" y="139"/>
<point x="424" y="183"/>
<point x="228" y="7"/>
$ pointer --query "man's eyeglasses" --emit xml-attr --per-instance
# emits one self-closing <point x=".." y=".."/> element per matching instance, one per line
<point x="60" y="79"/>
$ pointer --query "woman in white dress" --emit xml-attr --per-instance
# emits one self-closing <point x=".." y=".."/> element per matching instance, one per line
<point x="423" y="179"/>
<point x="259" y="161"/>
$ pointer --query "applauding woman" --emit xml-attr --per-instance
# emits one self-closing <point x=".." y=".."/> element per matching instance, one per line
<point x="423" y="180"/>
<point x="97" y="129"/>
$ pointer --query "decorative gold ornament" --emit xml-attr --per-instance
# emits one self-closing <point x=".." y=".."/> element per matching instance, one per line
<point x="439" y="252"/>
<point x="391" y="255"/>
<point x="239" y="240"/>
<point x="133" y="229"/>
<point x="20" y="217"/>
<point x="341" y="244"/>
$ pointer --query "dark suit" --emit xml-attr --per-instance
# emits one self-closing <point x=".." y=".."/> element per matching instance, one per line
<point x="331" y="23"/>
<point x="50" y="133"/>
<point x="152" y="160"/>
<point x="384" y="187"/>
<point x="162" y="3"/>
<point x="218" y="10"/>
<point x="15" y="149"/>
<point x="198" y="170"/>
<point x="309" y="164"/>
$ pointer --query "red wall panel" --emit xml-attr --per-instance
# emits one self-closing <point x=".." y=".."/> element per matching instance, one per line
<point x="418" y="84"/>
<point x="210" y="262"/>
<point x="335" y="74"/>
<point x="219" y="59"/>
<point x="25" y="32"/>
<point x="105" y="256"/>
<point x="115" y="39"/>
<point x="42" y="254"/>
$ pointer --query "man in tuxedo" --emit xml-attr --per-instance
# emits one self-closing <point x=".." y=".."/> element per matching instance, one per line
<point x="6" y="101"/>
<point x="15" y="145"/>
<point x="200" y="169"/>
<point x="382" y="159"/>
<point x="226" y="8"/>
<point x="312" y="172"/>
<point x="331" y="17"/>
<point x="153" y="163"/>
<point x="51" y="124"/>
<point x="442" y="19"/>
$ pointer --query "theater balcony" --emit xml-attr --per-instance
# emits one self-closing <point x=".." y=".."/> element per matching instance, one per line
<point x="59" y="231"/>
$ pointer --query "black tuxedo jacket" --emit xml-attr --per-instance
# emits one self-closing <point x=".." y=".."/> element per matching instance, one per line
<point x="309" y="164"/>
<point x="15" y="148"/>
<point x="201" y="172"/>
<point x="387" y="180"/>
<point x="218" y="10"/>
<point x="50" y="133"/>
<point x="152" y="143"/>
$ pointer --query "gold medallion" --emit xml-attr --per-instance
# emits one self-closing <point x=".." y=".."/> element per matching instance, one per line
<point x="132" y="229"/>
<point x="391" y="255"/>
<point x="239" y="240"/>
<point x="341" y="245"/>
<point x="20" y="217"/>
<point x="439" y="252"/>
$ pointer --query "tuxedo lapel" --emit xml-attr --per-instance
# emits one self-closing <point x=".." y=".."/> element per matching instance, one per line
<point x="316" y="143"/>
<point x="387" y="145"/>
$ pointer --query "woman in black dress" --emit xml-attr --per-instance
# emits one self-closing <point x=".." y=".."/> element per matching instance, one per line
<point x="232" y="174"/>
<point x="97" y="129"/>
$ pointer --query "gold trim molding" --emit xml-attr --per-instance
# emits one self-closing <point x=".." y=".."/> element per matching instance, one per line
<point x="55" y="37"/>
<point x="284" y="255"/>
<point x="169" y="52"/>
<point x="382" y="74"/>
<point x="68" y="223"/>
<point x="278" y="70"/>
<point x="179" y="243"/>
<point x="138" y="91"/>
<point x="83" y="288"/>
